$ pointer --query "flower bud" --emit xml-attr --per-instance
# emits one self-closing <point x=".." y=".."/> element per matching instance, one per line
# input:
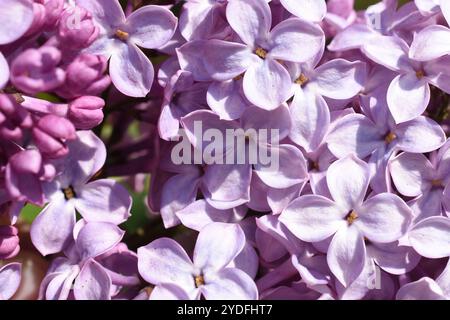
<point x="85" y="76"/>
<point x="50" y="135"/>
<point x="9" y="242"/>
<point x="86" y="112"/>
<point x="36" y="70"/>
<point x="77" y="29"/>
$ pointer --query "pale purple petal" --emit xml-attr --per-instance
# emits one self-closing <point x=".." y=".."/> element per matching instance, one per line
<point x="96" y="238"/>
<point x="151" y="26"/>
<point x="353" y="37"/>
<point x="10" y="276"/>
<point x="313" y="218"/>
<point x="267" y="84"/>
<point x="289" y="38"/>
<point x="430" y="237"/>
<point x="169" y="291"/>
<point x="217" y="245"/>
<point x="4" y="71"/>
<point x="107" y="13"/>
<point x="407" y="97"/>
<point x="16" y="17"/>
<point x="391" y="52"/>
<point x="229" y="284"/>
<point x="165" y="261"/>
<point x="409" y="173"/>
<point x="423" y="289"/>
<point x="250" y="19"/>
<point x="226" y="99"/>
<point x="356" y="134"/>
<point x="131" y="71"/>
<point x="93" y="283"/>
<point x="420" y="135"/>
<point x="384" y="218"/>
<point x="103" y="200"/>
<point x="51" y="231"/>
<point x="430" y="43"/>
<point x="348" y="190"/>
<point x="346" y="255"/>
<point x="312" y="10"/>
<point x="339" y="79"/>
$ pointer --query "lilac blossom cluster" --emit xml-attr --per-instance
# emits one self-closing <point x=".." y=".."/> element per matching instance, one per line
<point x="95" y="96"/>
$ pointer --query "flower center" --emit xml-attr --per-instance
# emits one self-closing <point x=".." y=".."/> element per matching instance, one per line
<point x="69" y="193"/>
<point x="199" y="281"/>
<point x="301" y="80"/>
<point x="420" y="74"/>
<point x="351" y="217"/>
<point x="260" y="52"/>
<point x="239" y="77"/>
<point x="390" y="137"/>
<point x="122" y="35"/>
<point x="437" y="183"/>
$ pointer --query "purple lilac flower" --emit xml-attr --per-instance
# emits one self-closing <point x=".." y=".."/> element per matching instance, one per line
<point x="9" y="280"/>
<point x="149" y="27"/>
<point x="165" y="264"/>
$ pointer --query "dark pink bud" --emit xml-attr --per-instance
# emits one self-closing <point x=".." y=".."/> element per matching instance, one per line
<point x="86" y="112"/>
<point x="85" y="76"/>
<point x="77" y="29"/>
<point x="36" y="70"/>
<point x="9" y="242"/>
<point x="51" y="133"/>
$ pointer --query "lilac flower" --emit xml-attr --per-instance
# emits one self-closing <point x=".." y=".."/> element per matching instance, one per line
<point x="149" y="27"/>
<point x="266" y="82"/>
<point x="415" y="176"/>
<point x="81" y="273"/>
<point x="100" y="200"/>
<point x="10" y="276"/>
<point x="427" y="288"/>
<point x="165" y="264"/>
<point x="9" y="242"/>
<point x="382" y="218"/>
<point x="336" y="79"/>
<point x="379" y="139"/>
<point x="409" y="93"/>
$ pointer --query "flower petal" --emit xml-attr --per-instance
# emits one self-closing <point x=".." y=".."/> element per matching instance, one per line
<point x="267" y="84"/>
<point x="217" y="245"/>
<point x="4" y="71"/>
<point x="96" y="238"/>
<point x="420" y="135"/>
<point x="103" y="200"/>
<point x="250" y="19"/>
<point x="151" y="26"/>
<point x="423" y="289"/>
<point x="10" y="276"/>
<point x="348" y="190"/>
<point x="384" y="218"/>
<point x="312" y="10"/>
<point x="389" y="51"/>
<point x="313" y="218"/>
<point x="131" y="71"/>
<point x="165" y="261"/>
<point x="288" y="41"/>
<point x="16" y="17"/>
<point x="230" y="284"/>
<point x="93" y="283"/>
<point x="407" y="97"/>
<point x="431" y="237"/>
<point x="430" y="43"/>
<point x="346" y="255"/>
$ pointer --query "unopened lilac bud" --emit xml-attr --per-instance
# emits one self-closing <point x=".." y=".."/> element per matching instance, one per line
<point x="86" y="112"/>
<point x="13" y="118"/>
<point x="22" y="176"/>
<point x="36" y="70"/>
<point x="85" y="76"/>
<point x="9" y="242"/>
<point x="38" y="19"/>
<point x="77" y="29"/>
<point x="53" y="11"/>
<point x="50" y="135"/>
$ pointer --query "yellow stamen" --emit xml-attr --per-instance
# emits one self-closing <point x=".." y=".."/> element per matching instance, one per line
<point x="437" y="183"/>
<point x="351" y="217"/>
<point x="420" y="74"/>
<point x="302" y="80"/>
<point x="69" y="193"/>
<point x="199" y="281"/>
<point x="260" y="52"/>
<point x="390" y="137"/>
<point x="122" y="35"/>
